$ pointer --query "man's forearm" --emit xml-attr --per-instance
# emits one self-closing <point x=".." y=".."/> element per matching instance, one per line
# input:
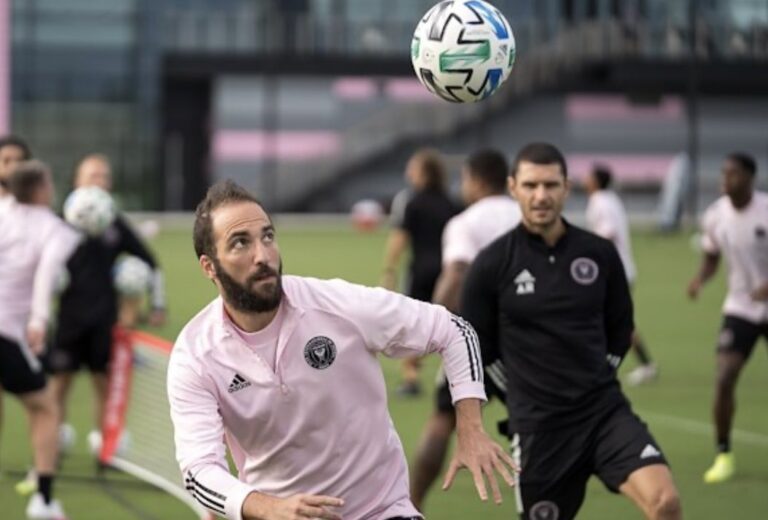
<point x="257" y="506"/>
<point x="449" y="286"/>
<point x="468" y="415"/>
<point x="708" y="268"/>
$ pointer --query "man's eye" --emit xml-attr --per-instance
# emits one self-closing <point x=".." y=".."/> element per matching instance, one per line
<point x="239" y="243"/>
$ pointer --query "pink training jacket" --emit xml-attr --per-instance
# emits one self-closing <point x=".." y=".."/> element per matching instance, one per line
<point x="34" y="247"/>
<point x="319" y="423"/>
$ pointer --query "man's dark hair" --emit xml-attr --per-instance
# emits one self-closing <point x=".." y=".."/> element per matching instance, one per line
<point x="433" y="169"/>
<point x="220" y="194"/>
<point x="15" y="140"/>
<point x="540" y="153"/>
<point x="745" y="161"/>
<point x="602" y="175"/>
<point x="491" y="167"/>
<point x="26" y="179"/>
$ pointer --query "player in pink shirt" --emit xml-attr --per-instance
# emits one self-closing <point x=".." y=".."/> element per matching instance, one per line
<point x="13" y="150"/>
<point x="34" y="245"/>
<point x="285" y="368"/>
<point x="735" y="226"/>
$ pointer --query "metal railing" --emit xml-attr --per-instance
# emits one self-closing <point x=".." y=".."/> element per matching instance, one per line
<point x="246" y="29"/>
<point x="540" y="68"/>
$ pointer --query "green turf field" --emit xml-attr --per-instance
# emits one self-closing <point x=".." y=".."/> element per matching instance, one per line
<point x="680" y="334"/>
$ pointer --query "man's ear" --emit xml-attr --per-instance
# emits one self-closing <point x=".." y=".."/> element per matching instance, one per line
<point x="206" y="264"/>
<point x="511" y="185"/>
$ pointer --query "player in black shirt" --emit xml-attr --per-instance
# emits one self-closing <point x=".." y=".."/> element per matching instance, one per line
<point x="88" y="306"/>
<point x="420" y="226"/>
<point x="551" y="301"/>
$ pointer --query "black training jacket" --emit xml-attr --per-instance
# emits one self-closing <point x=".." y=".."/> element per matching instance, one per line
<point x="90" y="296"/>
<point x="560" y="320"/>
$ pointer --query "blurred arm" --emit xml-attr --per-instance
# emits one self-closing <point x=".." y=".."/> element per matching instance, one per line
<point x="397" y="242"/>
<point x="449" y="286"/>
<point x="618" y="311"/>
<point x="131" y="243"/>
<point x="59" y="246"/>
<point x="707" y="269"/>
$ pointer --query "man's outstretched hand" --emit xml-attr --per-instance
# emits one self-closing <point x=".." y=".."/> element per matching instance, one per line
<point x="478" y="453"/>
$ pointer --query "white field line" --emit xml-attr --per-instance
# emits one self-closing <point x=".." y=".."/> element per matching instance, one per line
<point x="702" y="428"/>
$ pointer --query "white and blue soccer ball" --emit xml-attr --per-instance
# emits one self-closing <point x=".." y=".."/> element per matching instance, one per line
<point x="463" y="50"/>
<point x="90" y="209"/>
<point x="133" y="276"/>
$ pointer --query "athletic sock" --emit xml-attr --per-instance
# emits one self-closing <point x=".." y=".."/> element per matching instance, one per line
<point x="45" y="487"/>
<point x="724" y="445"/>
<point x="642" y="352"/>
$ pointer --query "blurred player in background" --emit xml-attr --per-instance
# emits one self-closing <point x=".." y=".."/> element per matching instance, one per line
<point x="420" y="227"/>
<point x="735" y="226"/>
<point x="551" y="301"/>
<point x="89" y="304"/>
<point x="607" y="217"/>
<point x="491" y="212"/>
<point x="286" y="368"/>
<point x="13" y="150"/>
<point x="34" y="245"/>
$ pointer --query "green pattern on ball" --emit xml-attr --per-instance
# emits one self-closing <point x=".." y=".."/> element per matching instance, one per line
<point x="465" y="57"/>
<point x="415" y="48"/>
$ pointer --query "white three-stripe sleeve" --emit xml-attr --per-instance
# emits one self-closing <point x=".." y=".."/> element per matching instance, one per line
<point x="462" y="360"/>
<point x="199" y="437"/>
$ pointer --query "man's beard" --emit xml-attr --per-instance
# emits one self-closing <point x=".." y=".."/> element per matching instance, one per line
<point x="243" y="298"/>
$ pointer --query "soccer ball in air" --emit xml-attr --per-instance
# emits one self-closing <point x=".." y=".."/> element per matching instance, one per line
<point x="132" y="276"/>
<point x="90" y="209"/>
<point x="463" y="50"/>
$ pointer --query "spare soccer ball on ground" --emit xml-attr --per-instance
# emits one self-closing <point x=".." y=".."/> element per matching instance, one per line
<point x="463" y="50"/>
<point x="90" y="209"/>
<point x="132" y="276"/>
<point x="366" y="215"/>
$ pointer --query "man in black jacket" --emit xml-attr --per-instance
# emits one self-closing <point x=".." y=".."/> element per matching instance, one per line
<point x="551" y="301"/>
<point x="89" y="306"/>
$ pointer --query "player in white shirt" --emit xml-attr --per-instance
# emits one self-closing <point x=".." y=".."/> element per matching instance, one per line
<point x="13" y="150"/>
<point x="735" y="226"/>
<point x="491" y="212"/>
<point x="606" y="217"/>
<point x="34" y="245"/>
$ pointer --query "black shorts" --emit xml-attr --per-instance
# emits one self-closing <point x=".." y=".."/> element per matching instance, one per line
<point x="556" y="465"/>
<point x="20" y="370"/>
<point x="421" y="287"/>
<point x="444" y="402"/>
<point x="739" y="335"/>
<point x="74" y="346"/>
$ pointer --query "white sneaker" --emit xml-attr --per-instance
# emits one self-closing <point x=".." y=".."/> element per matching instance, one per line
<point x="642" y="375"/>
<point x="67" y="438"/>
<point x="94" y="442"/>
<point x="37" y="509"/>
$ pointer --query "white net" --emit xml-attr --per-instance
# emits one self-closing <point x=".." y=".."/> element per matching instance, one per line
<point x="147" y="451"/>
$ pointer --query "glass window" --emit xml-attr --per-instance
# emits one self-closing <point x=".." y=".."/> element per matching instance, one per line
<point x="748" y="12"/>
<point x="111" y="6"/>
<point x="87" y="32"/>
